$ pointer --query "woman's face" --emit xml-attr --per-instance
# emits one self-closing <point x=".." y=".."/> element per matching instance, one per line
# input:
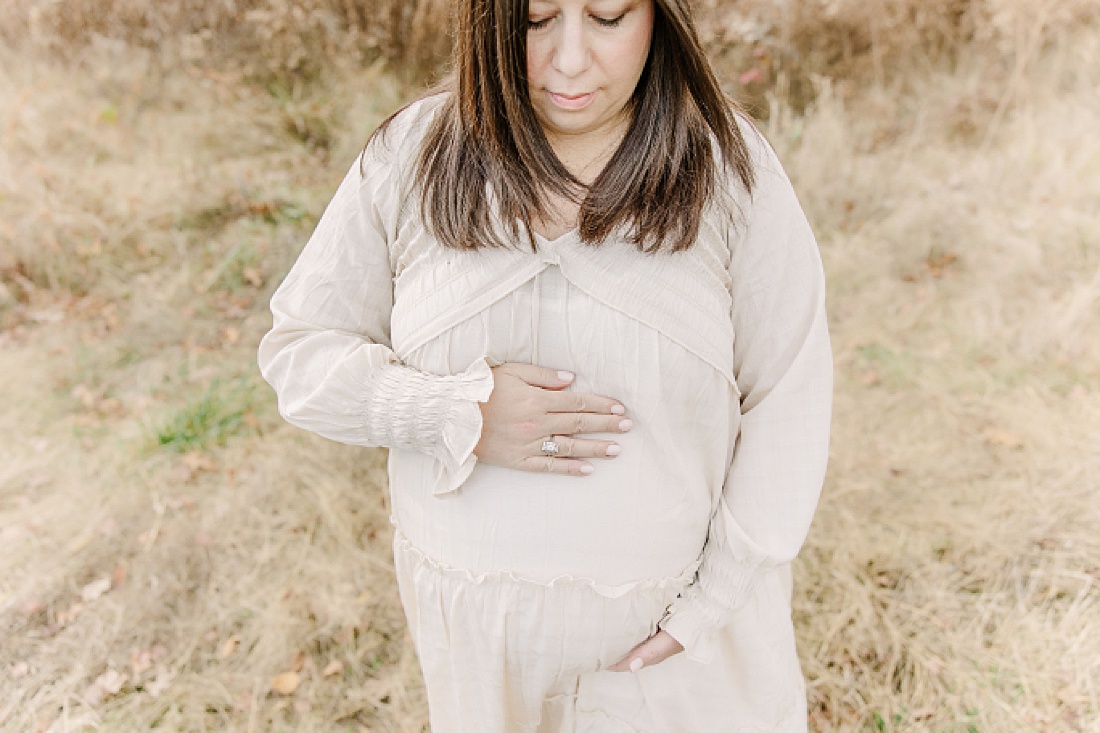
<point x="584" y="59"/>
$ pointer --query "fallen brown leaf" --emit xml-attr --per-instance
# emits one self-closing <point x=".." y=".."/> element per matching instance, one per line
<point x="119" y="576"/>
<point x="198" y="461"/>
<point x="229" y="646"/>
<point x="253" y="276"/>
<point x="998" y="436"/>
<point x="286" y="683"/>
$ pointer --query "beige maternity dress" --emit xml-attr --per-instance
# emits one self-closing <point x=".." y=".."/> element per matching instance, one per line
<point x="519" y="587"/>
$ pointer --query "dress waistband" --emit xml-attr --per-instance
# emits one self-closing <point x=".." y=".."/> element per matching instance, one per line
<point x="401" y="543"/>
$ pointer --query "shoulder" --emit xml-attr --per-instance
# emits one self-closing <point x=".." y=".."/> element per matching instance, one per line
<point x="763" y="159"/>
<point x="770" y="179"/>
<point x="398" y="139"/>
<point x="767" y="222"/>
<point x="386" y="167"/>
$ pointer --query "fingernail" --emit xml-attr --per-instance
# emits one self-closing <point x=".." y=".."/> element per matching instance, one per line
<point x="614" y="450"/>
<point x="636" y="664"/>
<point x="565" y="376"/>
<point x="586" y="469"/>
<point x="618" y="409"/>
<point x="625" y="425"/>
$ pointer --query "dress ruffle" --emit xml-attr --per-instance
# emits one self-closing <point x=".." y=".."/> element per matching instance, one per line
<point x="462" y="426"/>
<point x="681" y="580"/>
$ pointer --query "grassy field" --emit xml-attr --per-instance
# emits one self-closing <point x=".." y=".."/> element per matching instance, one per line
<point x="175" y="557"/>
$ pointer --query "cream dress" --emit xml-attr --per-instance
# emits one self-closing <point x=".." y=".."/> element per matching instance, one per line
<point x="520" y="588"/>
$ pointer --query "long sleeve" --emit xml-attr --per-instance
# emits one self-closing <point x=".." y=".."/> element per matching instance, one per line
<point x="328" y="355"/>
<point x="784" y="370"/>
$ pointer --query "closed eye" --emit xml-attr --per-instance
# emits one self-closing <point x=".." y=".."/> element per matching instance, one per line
<point x="535" y="25"/>
<point x="609" y="22"/>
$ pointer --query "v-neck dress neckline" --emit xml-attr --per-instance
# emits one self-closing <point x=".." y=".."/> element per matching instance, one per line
<point x="571" y="234"/>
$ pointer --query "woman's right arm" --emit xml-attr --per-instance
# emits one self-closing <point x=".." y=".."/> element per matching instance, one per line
<point x="328" y="354"/>
<point x="330" y="360"/>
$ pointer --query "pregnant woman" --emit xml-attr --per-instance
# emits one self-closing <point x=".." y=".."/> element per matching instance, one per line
<point x="573" y="292"/>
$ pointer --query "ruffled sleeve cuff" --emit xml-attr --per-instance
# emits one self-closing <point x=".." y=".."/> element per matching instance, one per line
<point x="693" y="634"/>
<point x="705" y="606"/>
<point x="462" y="426"/>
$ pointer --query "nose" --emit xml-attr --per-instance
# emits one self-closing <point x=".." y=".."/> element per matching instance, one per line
<point x="571" y="52"/>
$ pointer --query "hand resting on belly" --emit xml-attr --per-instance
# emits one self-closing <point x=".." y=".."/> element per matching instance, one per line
<point x="528" y="405"/>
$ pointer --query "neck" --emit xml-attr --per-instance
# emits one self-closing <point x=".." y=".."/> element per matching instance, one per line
<point x="586" y="154"/>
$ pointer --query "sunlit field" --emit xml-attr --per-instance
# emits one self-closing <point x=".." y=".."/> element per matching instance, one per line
<point x="173" y="556"/>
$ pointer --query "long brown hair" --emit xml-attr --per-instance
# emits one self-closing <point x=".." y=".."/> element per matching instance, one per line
<point x="486" y="137"/>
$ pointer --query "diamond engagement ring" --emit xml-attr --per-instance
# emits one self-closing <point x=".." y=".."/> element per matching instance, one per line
<point x="549" y="447"/>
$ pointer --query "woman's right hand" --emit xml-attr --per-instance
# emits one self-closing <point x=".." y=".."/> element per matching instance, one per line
<point x="528" y="405"/>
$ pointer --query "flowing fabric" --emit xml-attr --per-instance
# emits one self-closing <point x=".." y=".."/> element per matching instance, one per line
<point x="521" y="587"/>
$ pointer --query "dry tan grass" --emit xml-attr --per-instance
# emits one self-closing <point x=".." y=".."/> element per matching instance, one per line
<point x="146" y="211"/>
<point x="771" y="42"/>
<point x="270" y="39"/>
<point x="788" y="45"/>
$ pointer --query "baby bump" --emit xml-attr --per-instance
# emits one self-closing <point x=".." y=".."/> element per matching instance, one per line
<point x="565" y="628"/>
<point x="635" y="519"/>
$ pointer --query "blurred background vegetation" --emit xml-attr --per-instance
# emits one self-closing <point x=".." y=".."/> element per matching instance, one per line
<point x="176" y="557"/>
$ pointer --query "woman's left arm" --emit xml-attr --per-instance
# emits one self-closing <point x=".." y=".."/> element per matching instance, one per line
<point x="784" y="369"/>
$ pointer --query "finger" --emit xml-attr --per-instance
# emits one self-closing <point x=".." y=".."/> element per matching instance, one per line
<point x="539" y="376"/>
<point x="630" y="663"/>
<point x="569" y="447"/>
<point x="653" y="650"/>
<point x="623" y="664"/>
<point x="571" y="423"/>
<point x="636" y="660"/>
<point x="556" y="464"/>
<point x="584" y="402"/>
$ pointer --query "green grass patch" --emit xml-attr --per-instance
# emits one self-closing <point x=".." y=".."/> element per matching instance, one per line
<point x="236" y="206"/>
<point x="223" y="411"/>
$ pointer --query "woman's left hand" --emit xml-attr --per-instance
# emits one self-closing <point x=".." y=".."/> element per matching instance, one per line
<point x="653" y="650"/>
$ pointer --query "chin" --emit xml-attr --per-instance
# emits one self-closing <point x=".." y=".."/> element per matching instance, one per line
<point x="564" y="122"/>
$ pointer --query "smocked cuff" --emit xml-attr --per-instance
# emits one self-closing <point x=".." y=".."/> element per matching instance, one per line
<point x="705" y="606"/>
<point x="462" y="426"/>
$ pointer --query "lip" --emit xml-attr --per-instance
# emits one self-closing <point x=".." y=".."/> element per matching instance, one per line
<point x="571" y="102"/>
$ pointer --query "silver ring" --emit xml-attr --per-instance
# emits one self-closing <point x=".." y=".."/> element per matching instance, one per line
<point x="550" y="448"/>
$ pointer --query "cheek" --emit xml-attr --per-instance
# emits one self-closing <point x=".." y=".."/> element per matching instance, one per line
<point x="534" y="64"/>
<point x="639" y="46"/>
<point x="628" y="64"/>
<point x="629" y="56"/>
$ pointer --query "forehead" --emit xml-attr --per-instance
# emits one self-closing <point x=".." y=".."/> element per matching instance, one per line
<point x="550" y="4"/>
